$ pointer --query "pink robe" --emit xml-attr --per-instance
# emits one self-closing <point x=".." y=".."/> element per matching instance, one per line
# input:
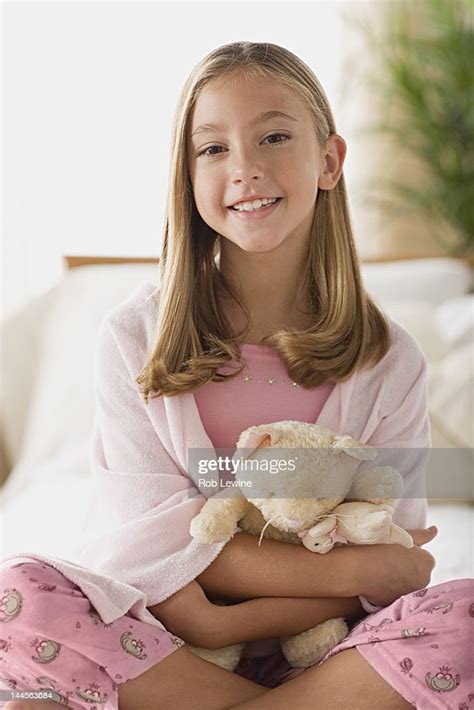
<point x="143" y="551"/>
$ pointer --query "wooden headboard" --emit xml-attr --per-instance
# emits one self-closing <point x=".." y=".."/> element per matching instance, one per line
<point x="72" y="262"/>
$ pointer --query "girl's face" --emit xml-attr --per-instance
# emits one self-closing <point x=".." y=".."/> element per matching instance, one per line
<point x="253" y="138"/>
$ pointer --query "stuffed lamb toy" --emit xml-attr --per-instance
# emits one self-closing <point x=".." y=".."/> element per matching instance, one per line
<point x="302" y="503"/>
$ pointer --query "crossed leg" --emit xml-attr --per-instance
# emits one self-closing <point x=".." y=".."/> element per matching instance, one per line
<point x="190" y="683"/>
<point x="346" y="680"/>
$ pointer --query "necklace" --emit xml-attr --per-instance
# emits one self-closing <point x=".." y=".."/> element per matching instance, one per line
<point x="249" y="379"/>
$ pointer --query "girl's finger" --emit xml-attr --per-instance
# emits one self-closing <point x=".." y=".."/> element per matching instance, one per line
<point x="421" y="537"/>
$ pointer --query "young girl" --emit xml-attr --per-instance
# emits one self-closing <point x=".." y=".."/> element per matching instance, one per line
<point x="260" y="316"/>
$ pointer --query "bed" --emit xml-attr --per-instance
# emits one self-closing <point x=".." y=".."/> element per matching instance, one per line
<point x="47" y="401"/>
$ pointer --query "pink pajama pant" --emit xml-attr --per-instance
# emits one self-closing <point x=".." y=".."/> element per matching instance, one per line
<point x="53" y="640"/>
<point x="422" y="645"/>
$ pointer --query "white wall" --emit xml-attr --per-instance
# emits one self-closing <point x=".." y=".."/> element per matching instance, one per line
<point x="88" y="97"/>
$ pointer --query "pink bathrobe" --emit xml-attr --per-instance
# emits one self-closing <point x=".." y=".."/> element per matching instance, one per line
<point x="143" y="551"/>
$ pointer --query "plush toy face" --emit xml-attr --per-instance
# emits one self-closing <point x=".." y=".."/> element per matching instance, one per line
<point x="322" y="477"/>
<point x="295" y="514"/>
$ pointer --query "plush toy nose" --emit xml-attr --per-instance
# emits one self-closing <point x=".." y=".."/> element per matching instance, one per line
<point x="294" y="523"/>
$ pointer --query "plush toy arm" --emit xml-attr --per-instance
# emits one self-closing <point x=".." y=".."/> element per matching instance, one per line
<point x="218" y="518"/>
<point x="371" y="527"/>
<point x="322" y="528"/>
<point x="376" y="485"/>
<point x="367" y="529"/>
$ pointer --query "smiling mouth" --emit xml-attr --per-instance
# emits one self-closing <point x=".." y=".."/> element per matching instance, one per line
<point x="255" y="215"/>
<point x="262" y="208"/>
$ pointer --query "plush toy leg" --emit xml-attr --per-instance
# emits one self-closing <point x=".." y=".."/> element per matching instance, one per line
<point x="227" y="658"/>
<point x="400" y="536"/>
<point x="304" y="649"/>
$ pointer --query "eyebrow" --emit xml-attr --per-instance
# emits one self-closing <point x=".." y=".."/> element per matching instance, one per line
<point x="265" y="116"/>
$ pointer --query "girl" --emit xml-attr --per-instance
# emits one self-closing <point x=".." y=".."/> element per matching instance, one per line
<point x="260" y="316"/>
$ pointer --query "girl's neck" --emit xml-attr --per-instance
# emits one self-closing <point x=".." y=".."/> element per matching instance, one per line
<point x="269" y="291"/>
<point x="257" y="332"/>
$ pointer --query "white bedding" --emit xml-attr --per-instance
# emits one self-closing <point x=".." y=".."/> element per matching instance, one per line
<point x="46" y="501"/>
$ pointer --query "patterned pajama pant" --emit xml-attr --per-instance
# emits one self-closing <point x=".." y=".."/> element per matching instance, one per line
<point x="53" y="641"/>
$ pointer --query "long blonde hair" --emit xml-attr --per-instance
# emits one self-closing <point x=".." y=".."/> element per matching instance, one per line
<point x="193" y="338"/>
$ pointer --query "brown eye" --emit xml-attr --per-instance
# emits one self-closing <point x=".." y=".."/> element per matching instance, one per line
<point x="210" y="150"/>
<point x="277" y="135"/>
<point x="204" y="152"/>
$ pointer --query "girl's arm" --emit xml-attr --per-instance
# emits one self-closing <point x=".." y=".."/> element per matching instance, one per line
<point x="270" y="617"/>
<point x="382" y="573"/>
<point x="190" y="615"/>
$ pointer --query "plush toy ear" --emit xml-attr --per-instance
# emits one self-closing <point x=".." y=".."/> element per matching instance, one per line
<point x="254" y="440"/>
<point x="354" y="448"/>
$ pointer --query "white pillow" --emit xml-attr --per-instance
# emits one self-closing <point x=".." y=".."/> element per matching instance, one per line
<point x="62" y="407"/>
<point x="418" y="317"/>
<point x="455" y="320"/>
<point x="432" y="280"/>
<point x="20" y="338"/>
<point x="450" y="391"/>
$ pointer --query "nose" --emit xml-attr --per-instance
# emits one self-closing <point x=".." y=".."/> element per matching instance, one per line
<point x="246" y="167"/>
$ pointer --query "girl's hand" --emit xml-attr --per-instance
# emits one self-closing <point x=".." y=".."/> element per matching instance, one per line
<point x="387" y="572"/>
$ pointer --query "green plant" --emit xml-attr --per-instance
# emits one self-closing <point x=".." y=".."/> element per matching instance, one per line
<point x="425" y="79"/>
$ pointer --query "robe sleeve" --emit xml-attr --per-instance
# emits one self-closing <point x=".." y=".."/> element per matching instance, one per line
<point x="144" y="501"/>
<point x="403" y="434"/>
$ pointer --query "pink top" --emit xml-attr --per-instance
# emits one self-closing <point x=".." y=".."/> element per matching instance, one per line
<point x="146" y="494"/>
<point x="263" y="393"/>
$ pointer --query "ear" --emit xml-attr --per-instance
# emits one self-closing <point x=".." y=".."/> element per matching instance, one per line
<point x="354" y="448"/>
<point x="254" y="439"/>
<point x="332" y="162"/>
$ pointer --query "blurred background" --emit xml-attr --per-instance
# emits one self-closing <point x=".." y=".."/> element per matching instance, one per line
<point x="89" y="91"/>
<point x="88" y="95"/>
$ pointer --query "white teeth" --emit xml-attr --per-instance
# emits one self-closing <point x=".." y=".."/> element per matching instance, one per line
<point x="254" y="205"/>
